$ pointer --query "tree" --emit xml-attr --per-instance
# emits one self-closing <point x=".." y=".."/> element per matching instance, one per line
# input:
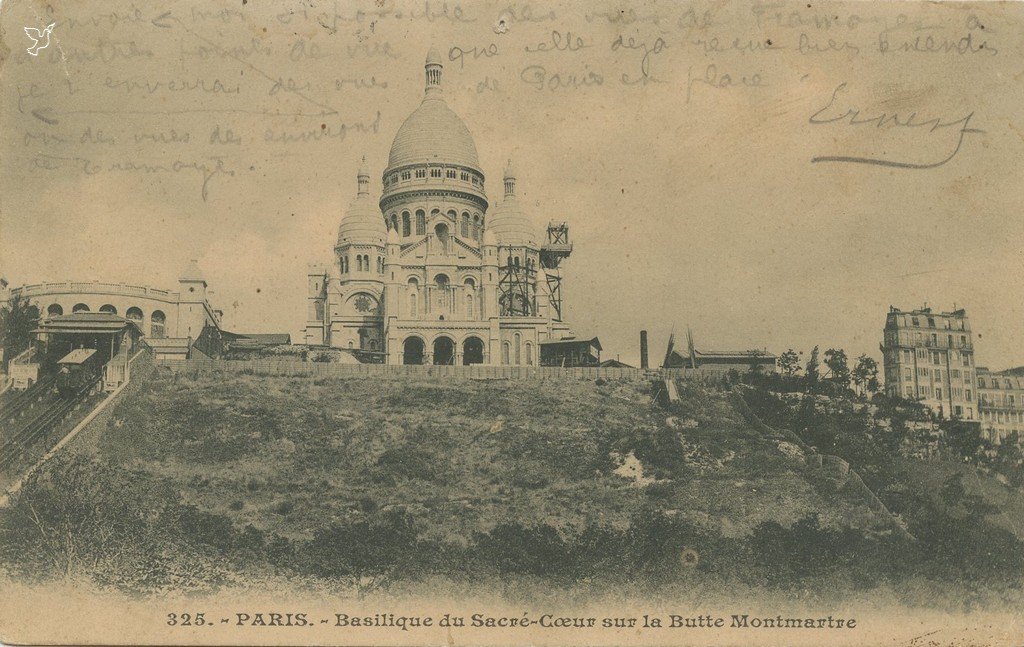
<point x="865" y="375"/>
<point x="812" y="370"/>
<point x="18" y="318"/>
<point x="789" y="362"/>
<point x="838" y="367"/>
<point x="962" y="437"/>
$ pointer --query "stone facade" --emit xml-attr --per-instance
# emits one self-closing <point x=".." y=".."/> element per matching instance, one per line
<point x="929" y="356"/>
<point x="430" y="273"/>
<point x="158" y="313"/>
<point x="1001" y="404"/>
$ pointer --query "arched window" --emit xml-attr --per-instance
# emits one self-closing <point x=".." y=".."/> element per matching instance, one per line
<point x="156" y="324"/>
<point x="414" y="287"/>
<point x="351" y="344"/>
<point x="421" y="223"/>
<point x="373" y="344"/>
<point x="133" y="313"/>
<point x="452" y="215"/>
<point x="394" y="222"/>
<point x="54" y="310"/>
<point x="80" y="307"/>
<point x="519" y="341"/>
<point x="470" y="298"/>
<point x="477" y="228"/>
<point x="406" y="224"/>
<point x="529" y="354"/>
<point x="109" y="309"/>
<point x="465" y="225"/>
<point x="380" y="264"/>
<point x="505" y="352"/>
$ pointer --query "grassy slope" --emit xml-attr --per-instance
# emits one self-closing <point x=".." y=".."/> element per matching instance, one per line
<point x="291" y="454"/>
<point x="931" y="475"/>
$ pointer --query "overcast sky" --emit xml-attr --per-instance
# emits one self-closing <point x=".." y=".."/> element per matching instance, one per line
<point x="686" y="175"/>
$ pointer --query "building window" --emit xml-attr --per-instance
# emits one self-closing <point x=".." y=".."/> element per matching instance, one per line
<point x="477" y="227"/>
<point x="506" y="349"/>
<point x="914" y="321"/>
<point x="938" y="395"/>
<point x="413" y="298"/>
<point x="938" y="375"/>
<point x="450" y="173"/>
<point x="134" y="313"/>
<point x="156" y="324"/>
<point x="465" y="225"/>
<point x="405" y="175"/>
<point x="529" y="354"/>
<point x="519" y="340"/>
<point x="470" y="297"/>
<point x="464" y="176"/>
<point x="394" y="221"/>
<point x="109" y="309"/>
<point x="421" y="223"/>
<point x="421" y="173"/>
<point x="80" y="307"/>
<point x="406" y="224"/>
<point x="55" y="310"/>
<point x="931" y="322"/>
<point x="435" y="172"/>
<point x="910" y="391"/>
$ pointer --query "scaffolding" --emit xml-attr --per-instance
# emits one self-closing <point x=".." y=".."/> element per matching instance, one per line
<point x="517" y="288"/>
<point x="552" y="253"/>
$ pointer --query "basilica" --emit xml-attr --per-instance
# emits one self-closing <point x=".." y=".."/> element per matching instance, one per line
<point x="432" y="273"/>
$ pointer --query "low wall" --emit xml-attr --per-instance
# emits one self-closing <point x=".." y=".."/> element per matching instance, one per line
<point x="292" y="367"/>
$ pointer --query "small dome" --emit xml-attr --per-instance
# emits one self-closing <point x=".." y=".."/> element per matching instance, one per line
<point x="507" y="220"/>
<point x="509" y="224"/>
<point x="362" y="223"/>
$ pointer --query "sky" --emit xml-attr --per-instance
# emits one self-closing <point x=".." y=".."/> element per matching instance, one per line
<point x="768" y="176"/>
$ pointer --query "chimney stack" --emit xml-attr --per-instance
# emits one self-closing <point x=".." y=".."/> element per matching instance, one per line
<point x="643" y="349"/>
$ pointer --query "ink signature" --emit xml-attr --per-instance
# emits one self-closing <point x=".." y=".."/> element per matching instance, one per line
<point x="830" y="114"/>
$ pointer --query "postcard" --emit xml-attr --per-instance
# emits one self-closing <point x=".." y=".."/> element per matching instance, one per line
<point x="422" y="322"/>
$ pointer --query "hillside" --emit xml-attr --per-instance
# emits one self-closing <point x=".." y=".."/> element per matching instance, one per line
<point x="208" y="479"/>
<point x="289" y="454"/>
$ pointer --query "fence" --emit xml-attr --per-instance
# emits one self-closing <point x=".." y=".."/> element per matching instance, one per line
<point x="474" y="371"/>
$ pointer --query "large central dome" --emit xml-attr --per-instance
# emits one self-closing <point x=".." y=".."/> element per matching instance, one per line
<point x="433" y="132"/>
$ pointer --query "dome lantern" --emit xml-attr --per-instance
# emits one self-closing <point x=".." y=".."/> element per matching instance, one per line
<point x="363" y="179"/>
<point x="433" y="68"/>
<point x="510" y="180"/>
